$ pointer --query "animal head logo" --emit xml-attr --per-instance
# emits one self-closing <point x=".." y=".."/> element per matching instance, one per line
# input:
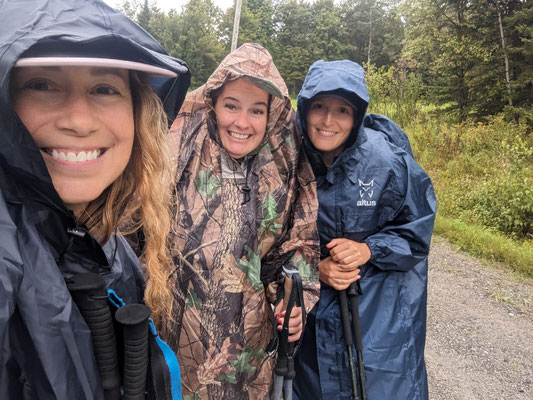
<point x="366" y="188"/>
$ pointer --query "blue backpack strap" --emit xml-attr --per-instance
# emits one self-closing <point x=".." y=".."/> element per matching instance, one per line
<point x="165" y="377"/>
<point x="114" y="299"/>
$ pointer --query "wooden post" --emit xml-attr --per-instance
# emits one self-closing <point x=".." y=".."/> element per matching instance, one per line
<point x="235" y="37"/>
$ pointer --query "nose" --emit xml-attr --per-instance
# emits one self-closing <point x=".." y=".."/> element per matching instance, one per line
<point x="77" y="116"/>
<point x="328" y="118"/>
<point x="242" y="120"/>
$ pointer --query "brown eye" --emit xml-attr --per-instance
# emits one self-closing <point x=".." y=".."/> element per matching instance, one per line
<point x="38" y="85"/>
<point x="258" y="111"/>
<point x="105" y="91"/>
<point x="344" y="110"/>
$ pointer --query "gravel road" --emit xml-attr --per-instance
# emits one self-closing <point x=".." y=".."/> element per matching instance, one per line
<point x="480" y="330"/>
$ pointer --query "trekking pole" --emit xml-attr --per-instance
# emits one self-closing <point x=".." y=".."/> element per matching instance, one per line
<point x="284" y="372"/>
<point x="89" y="293"/>
<point x="134" y="319"/>
<point x="354" y="291"/>
<point x="348" y="340"/>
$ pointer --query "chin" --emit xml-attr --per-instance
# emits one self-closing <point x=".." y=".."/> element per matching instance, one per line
<point x="78" y="199"/>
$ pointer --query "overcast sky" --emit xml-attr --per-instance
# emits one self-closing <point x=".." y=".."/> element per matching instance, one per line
<point x="166" y="5"/>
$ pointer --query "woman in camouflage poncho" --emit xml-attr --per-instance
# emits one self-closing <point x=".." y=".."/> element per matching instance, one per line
<point x="239" y="220"/>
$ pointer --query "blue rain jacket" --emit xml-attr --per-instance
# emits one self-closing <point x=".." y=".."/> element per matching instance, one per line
<point x="374" y="192"/>
<point x="46" y="349"/>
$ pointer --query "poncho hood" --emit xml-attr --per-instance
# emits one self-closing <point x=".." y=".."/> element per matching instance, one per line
<point x="251" y="62"/>
<point x="70" y="28"/>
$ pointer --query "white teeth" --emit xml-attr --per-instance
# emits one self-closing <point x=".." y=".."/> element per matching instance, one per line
<point x="70" y="156"/>
<point x="326" y="133"/>
<point x="238" y="135"/>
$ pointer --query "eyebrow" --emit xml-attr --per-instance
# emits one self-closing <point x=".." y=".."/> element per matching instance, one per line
<point x="238" y="101"/>
<point x="94" y="71"/>
<point x="107" y="71"/>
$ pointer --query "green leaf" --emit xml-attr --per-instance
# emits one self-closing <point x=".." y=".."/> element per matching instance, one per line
<point x="252" y="268"/>
<point x="207" y="184"/>
<point x="305" y="269"/>
<point x="270" y="212"/>
<point x="231" y="377"/>
<point x="193" y="300"/>
<point x="242" y="363"/>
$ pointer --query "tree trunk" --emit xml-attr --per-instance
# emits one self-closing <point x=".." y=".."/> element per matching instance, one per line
<point x="369" y="39"/>
<point x="505" y="57"/>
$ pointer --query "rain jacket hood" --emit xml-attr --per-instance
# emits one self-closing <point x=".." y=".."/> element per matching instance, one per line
<point x="45" y="345"/>
<point x="238" y="222"/>
<point x="375" y="193"/>
<point x="71" y="28"/>
<point x="347" y="81"/>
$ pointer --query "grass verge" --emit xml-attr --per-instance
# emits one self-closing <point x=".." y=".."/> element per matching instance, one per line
<point x="488" y="245"/>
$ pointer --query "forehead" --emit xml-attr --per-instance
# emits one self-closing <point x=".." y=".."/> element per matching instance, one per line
<point x="244" y="91"/>
<point x="78" y="71"/>
<point x="332" y="101"/>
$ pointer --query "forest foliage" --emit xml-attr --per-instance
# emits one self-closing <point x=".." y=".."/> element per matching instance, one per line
<point x="457" y="75"/>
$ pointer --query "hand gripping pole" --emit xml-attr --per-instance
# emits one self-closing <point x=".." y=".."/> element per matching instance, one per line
<point x="284" y="372"/>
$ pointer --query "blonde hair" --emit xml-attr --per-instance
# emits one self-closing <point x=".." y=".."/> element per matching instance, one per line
<point x="140" y="197"/>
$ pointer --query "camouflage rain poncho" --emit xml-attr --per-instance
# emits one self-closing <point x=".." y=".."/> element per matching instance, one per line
<point x="228" y="250"/>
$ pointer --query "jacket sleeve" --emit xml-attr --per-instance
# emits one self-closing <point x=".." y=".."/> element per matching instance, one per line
<point x="404" y="240"/>
<point x="299" y="243"/>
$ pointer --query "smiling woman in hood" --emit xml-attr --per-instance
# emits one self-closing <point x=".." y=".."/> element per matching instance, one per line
<point x="86" y="97"/>
<point x="245" y="207"/>
<point x="375" y="220"/>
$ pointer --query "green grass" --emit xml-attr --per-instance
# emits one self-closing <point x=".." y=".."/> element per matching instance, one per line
<point x="488" y="245"/>
<point x="464" y="160"/>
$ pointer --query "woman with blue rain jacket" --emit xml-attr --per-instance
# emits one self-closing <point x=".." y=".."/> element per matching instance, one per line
<point x="376" y="215"/>
<point x="86" y="97"/>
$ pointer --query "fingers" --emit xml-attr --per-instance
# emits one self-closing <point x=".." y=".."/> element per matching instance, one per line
<point x="295" y="323"/>
<point x="340" y="280"/>
<point x="335" y="242"/>
<point x="341" y="283"/>
<point x="346" y="251"/>
<point x="336" y="275"/>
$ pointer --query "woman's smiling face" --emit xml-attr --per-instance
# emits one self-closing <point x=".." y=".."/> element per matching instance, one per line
<point x="329" y="124"/>
<point x="242" y="112"/>
<point x="81" y="118"/>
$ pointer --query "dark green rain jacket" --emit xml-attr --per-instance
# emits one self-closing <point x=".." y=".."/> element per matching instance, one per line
<point x="45" y="345"/>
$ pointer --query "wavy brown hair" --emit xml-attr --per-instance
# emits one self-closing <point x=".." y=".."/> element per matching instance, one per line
<point x="140" y="196"/>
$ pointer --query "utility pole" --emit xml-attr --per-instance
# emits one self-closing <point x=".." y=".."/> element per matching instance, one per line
<point x="235" y="37"/>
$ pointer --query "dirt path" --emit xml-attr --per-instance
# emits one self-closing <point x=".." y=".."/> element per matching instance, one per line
<point x="480" y="330"/>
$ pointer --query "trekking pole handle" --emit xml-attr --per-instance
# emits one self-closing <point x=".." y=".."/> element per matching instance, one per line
<point x="88" y="291"/>
<point x="134" y="319"/>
